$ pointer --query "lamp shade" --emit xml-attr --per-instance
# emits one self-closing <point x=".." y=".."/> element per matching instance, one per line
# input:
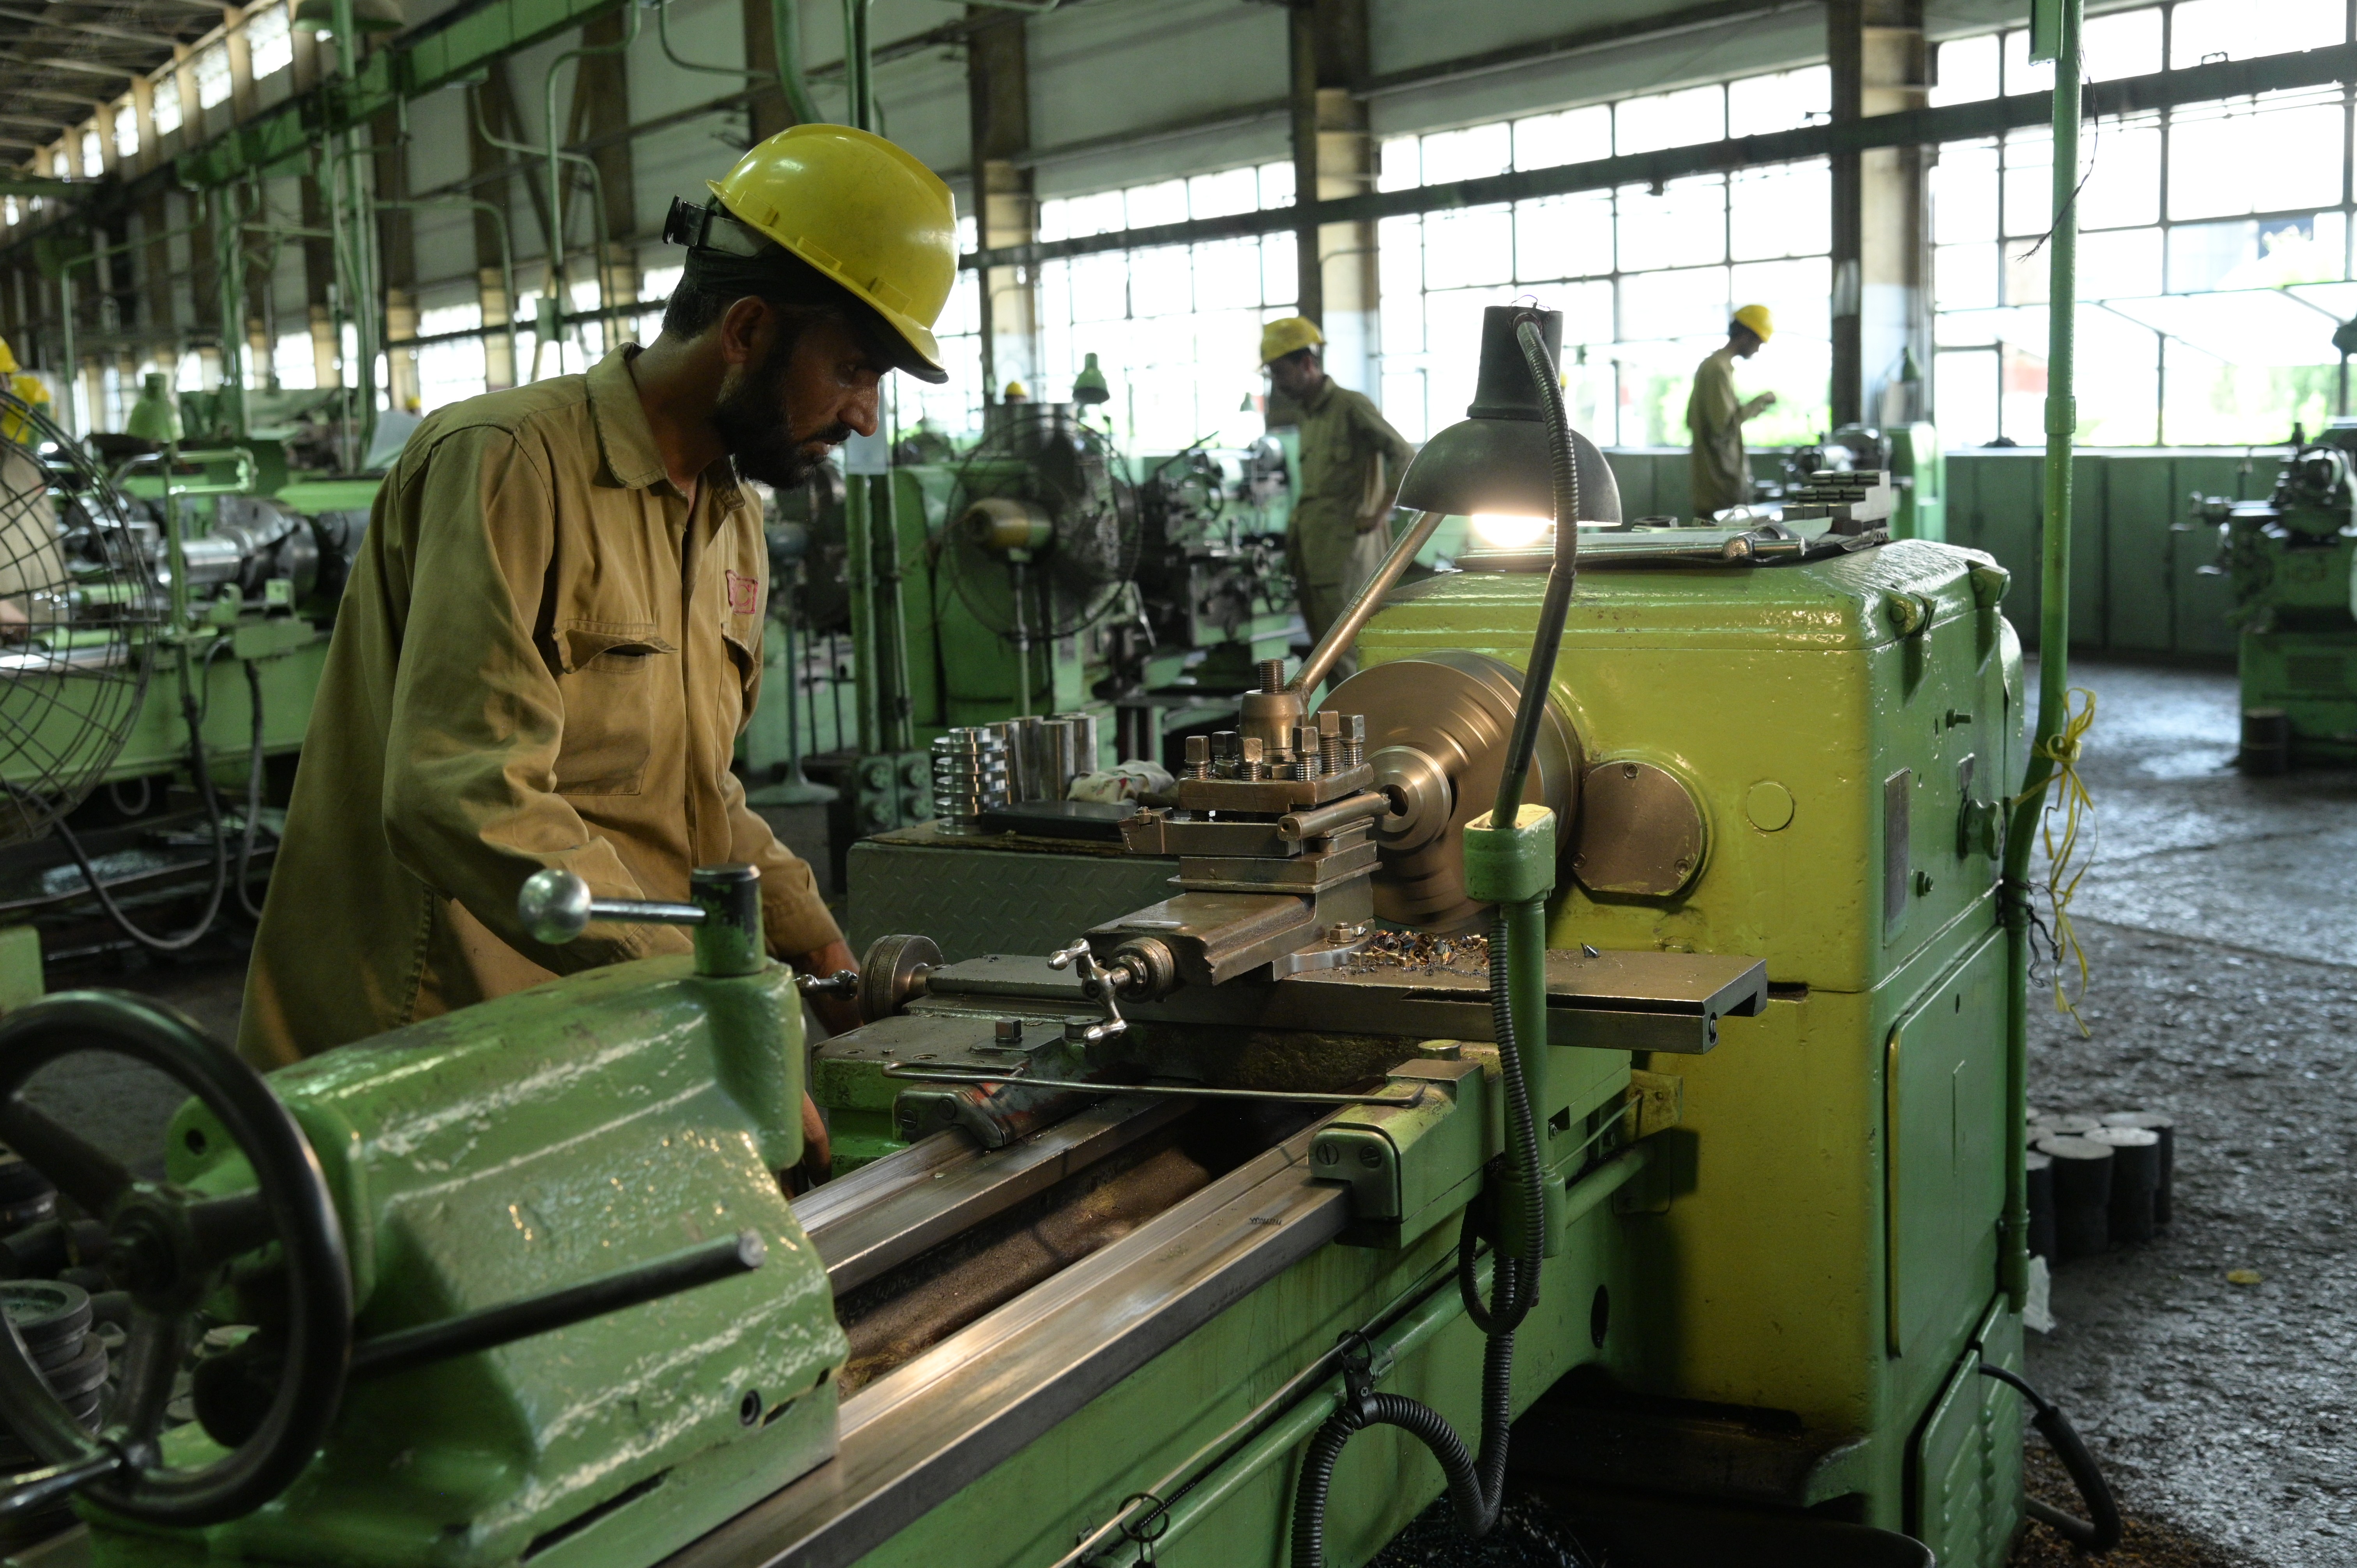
<point x="1496" y="459"/>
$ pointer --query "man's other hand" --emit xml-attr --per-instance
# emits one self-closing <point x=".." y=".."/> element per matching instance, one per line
<point x="839" y="1014"/>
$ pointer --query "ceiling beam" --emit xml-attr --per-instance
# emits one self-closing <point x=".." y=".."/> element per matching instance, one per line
<point x="11" y="58"/>
<point x="94" y="29"/>
<point x="54" y="96"/>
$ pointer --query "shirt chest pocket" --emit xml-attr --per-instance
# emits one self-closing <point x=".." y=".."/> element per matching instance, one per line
<point x="608" y="674"/>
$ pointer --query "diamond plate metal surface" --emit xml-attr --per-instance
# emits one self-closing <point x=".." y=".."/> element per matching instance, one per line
<point x="977" y="901"/>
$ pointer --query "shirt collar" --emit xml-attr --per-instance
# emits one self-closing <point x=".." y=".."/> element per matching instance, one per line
<point x="627" y="442"/>
<point x="1315" y="401"/>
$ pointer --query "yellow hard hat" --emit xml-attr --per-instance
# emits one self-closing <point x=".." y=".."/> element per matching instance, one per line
<point x="1756" y="318"/>
<point x="1288" y="335"/>
<point x="1016" y="393"/>
<point x="863" y="213"/>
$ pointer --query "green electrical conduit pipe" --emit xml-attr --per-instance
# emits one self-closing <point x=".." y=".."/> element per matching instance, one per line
<point x="1512" y="856"/>
<point x="2047" y="752"/>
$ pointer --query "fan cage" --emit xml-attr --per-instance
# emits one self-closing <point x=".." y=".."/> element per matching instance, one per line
<point x="78" y="613"/>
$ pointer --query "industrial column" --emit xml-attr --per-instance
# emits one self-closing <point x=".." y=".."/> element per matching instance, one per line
<point x="1334" y="156"/>
<point x="1006" y="212"/>
<point x="1881" y="230"/>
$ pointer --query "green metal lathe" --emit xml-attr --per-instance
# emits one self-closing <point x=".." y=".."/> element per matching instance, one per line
<point x="1697" y="1163"/>
<point x="2291" y="561"/>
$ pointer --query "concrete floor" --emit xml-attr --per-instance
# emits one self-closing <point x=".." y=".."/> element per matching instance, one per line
<point x="2219" y="915"/>
<point x="2220" y="920"/>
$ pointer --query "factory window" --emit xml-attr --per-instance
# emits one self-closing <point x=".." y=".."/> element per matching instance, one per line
<point x="211" y="69"/>
<point x="655" y="285"/>
<point x="1177" y="328"/>
<point x="454" y="369"/>
<point x="93" y="154"/>
<point x="1646" y="278"/>
<point x="165" y="108"/>
<point x="2214" y="253"/>
<point x="269" y="44"/>
<point x="954" y="408"/>
<point x="126" y="131"/>
<point x="293" y="363"/>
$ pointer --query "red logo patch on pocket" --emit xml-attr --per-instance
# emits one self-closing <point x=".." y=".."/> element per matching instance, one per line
<point x="744" y="595"/>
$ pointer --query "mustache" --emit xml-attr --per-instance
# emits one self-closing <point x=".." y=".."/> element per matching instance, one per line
<point x="832" y="436"/>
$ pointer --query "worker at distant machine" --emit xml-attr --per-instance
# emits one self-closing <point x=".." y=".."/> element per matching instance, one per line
<point x="1715" y="415"/>
<point x="1351" y="460"/>
<point x="553" y="635"/>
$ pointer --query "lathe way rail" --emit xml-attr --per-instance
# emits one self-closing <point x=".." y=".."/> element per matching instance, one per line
<point x="913" y="1439"/>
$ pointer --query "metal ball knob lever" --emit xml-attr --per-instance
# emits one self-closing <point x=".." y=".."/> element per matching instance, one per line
<point x="555" y="906"/>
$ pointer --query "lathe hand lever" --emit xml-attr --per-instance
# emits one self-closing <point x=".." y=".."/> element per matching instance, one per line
<point x="33" y="1492"/>
<point x="842" y="983"/>
<point x="555" y="906"/>
<point x="1098" y="981"/>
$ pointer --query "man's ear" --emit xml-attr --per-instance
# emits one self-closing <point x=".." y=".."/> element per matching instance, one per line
<point x="746" y="328"/>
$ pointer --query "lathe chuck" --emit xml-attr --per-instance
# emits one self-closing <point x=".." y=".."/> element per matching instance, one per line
<point x="1436" y="730"/>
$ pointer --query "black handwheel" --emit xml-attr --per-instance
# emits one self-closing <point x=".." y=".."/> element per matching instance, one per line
<point x="168" y="1247"/>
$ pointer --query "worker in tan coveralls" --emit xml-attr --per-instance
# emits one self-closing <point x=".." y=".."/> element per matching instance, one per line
<point x="1351" y="460"/>
<point x="553" y="635"/>
<point x="1714" y="416"/>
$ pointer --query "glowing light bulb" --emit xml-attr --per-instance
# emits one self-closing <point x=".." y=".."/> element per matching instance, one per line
<point x="1508" y="530"/>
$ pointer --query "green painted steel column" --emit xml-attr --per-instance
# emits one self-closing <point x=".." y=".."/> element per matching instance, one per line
<point x="2054" y="639"/>
<point x="859" y="568"/>
<point x="785" y="32"/>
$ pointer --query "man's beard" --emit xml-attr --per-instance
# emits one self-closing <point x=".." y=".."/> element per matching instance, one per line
<point x="751" y="422"/>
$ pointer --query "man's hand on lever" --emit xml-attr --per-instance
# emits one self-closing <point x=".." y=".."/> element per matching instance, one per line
<point x="838" y="1010"/>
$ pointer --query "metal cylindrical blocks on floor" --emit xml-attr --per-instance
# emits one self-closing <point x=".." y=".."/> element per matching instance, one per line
<point x="2135" y="1179"/>
<point x="2083" y="1195"/>
<point x="2041" y="1205"/>
<point x="2266" y="741"/>
<point x="2163" y="1125"/>
<point x="969" y="775"/>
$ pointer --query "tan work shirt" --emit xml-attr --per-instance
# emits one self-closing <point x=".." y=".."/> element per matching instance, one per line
<point x="1351" y="460"/>
<point x="542" y="658"/>
<point x="1714" y="416"/>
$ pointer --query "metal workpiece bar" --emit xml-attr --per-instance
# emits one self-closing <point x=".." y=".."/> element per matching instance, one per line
<point x="1346" y="627"/>
<point x="888" y="1211"/>
<point x="1185" y="1090"/>
<point x="913" y="1439"/>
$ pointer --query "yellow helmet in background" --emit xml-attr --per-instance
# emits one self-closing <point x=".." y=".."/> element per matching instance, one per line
<point x="1288" y="335"/>
<point x="29" y="390"/>
<point x="863" y="213"/>
<point x="1762" y="326"/>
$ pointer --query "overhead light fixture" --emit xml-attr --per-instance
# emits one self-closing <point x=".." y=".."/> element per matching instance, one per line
<point x="1494" y="465"/>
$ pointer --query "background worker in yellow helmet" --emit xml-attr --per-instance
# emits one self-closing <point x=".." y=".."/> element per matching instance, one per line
<point x="553" y="635"/>
<point x="1715" y="415"/>
<point x="1351" y="460"/>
